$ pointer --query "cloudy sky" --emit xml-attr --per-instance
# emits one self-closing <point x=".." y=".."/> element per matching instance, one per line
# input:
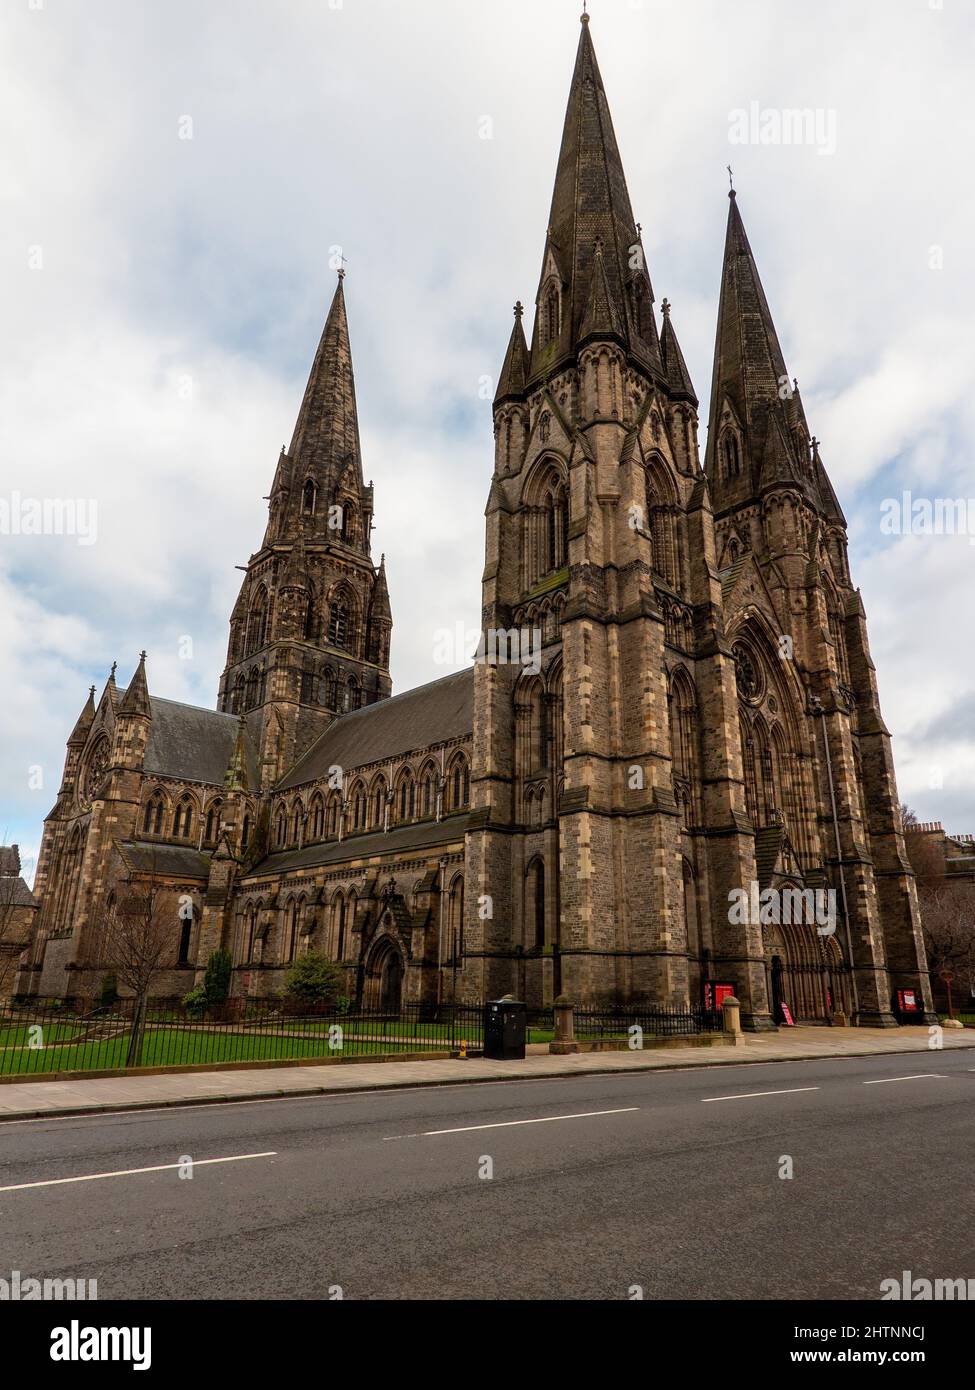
<point x="174" y="178"/>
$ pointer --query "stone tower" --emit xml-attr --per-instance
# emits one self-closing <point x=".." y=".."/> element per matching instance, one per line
<point x="598" y="540"/>
<point x="827" y="789"/>
<point x="675" y="703"/>
<point x="310" y="632"/>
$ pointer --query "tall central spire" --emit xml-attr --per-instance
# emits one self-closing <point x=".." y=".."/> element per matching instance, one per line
<point x="591" y="220"/>
<point x="326" y="434"/>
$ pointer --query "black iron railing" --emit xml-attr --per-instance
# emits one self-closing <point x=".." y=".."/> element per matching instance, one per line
<point x="36" y="1041"/>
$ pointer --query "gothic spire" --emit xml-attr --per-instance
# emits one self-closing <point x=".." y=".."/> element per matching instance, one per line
<point x="749" y="368"/>
<point x="602" y="318"/>
<point x="751" y="384"/>
<point x="514" y="373"/>
<point x="136" y="700"/>
<point x="326" y="434"/>
<point x="379" y="607"/>
<point x="79" y="733"/>
<point x="590" y="204"/>
<point x="678" y="377"/>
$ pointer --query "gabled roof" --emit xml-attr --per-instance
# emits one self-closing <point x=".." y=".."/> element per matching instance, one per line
<point x="431" y="714"/>
<point x="170" y="861"/>
<point x="422" y="835"/>
<point x="194" y="744"/>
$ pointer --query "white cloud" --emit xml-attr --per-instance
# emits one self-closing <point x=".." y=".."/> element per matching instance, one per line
<point x="166" y="258"/>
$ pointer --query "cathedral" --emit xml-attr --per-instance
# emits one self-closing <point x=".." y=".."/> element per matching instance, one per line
<point x="700" y="716"/>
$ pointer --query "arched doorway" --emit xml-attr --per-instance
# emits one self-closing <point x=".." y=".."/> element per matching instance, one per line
<point x="384" y="977"/>
<point x="391" y="983"/>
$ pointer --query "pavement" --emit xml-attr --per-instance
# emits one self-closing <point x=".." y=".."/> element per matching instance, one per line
<point x="28" y="1099"/>
<point x="811" y="1178"/>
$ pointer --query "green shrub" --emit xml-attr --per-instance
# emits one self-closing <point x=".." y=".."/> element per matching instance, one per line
<point x="195" y="1003"/>
<point x="313" y="979"/>
<point x="216" y="981"/>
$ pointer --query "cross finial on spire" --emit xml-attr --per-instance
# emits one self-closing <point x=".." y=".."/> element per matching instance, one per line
<point x="91" y="690"/>
<point x="519" y="309"/>
<point x="584" y="17"/>
<point x="114" y="669"/>
<point x="142" y="656"/>
<point x="665" y="307"/>
<point x="731" y="181"/>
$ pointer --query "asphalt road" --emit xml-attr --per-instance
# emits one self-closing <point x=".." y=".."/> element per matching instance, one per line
<point x="669" y="1181"/>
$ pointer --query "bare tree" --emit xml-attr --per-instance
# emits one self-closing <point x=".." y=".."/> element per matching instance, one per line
<point x="947" y="906"/>
<point x="138" y="942"/>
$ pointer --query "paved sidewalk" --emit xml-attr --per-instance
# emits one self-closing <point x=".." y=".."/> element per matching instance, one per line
<point x="29" y="1100"/>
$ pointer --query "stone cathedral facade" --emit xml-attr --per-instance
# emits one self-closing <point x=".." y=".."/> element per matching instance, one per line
<point x="701" y="715"/>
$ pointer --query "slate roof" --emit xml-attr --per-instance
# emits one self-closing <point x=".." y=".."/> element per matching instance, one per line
<point x="15" y="893"/>
<point x="193" y="744"/>
<point x="424" y="835"/>
<point x="430" y="714"/>
<point x="177" y="861"/>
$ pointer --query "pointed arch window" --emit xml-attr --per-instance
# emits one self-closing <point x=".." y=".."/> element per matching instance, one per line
<point x="731" y="453"/>
<point x="338" y="624"/>
<point x="309" y="497"/>
<point x="213" y="822"/>
<point x="245" y="833"/>
<point x="183" y="819"/>
<point x="407" y="798"/>
<point x="309" y="686"/>
<point x="551" y="313"/>
<point x="153" y="819"/>
<point x="258" y="623"/>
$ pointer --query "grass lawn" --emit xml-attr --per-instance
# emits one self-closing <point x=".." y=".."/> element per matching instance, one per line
<point x="183" y="1047"/>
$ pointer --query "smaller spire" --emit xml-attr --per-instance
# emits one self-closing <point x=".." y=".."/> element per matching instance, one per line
<point x="379" y="606"/>
<point x="602" y="313"/>
<point x="514" y="372"/>
<point x="678" y="377"/>
<point x="79" y="734"/>
<point x="136" y="701"/>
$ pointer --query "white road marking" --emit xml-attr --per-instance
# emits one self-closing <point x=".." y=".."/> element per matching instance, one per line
<point x="750" y="1095"/>
<point x="127" y="1172"/>
<point x="542" y="1120"/>
<point x="921" y="1076"/>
